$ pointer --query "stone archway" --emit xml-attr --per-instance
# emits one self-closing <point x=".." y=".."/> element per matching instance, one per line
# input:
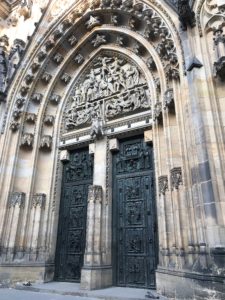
<point x="48" y="117"/>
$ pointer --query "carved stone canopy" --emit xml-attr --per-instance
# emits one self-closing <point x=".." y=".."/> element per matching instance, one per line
<point x="111" y="87"/>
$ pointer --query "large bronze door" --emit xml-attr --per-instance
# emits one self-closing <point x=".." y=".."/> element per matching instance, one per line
<point x="134" y="215"/>
<point x="77" y="176"/>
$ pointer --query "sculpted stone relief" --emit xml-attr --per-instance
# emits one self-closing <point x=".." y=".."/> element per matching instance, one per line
<point x="111" y="88"/>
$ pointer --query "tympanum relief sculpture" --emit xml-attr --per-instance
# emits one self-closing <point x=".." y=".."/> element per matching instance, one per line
<point x="111" y="88"/>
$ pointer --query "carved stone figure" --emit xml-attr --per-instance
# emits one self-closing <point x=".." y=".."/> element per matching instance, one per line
<point x="96" y="126"/>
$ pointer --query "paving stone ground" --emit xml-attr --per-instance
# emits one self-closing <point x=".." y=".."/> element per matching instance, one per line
<point x="71" y="291"/>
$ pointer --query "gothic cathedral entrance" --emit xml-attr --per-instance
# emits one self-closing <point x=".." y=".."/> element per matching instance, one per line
<point x="77" y="176"/>
<point x="134" y="215"/>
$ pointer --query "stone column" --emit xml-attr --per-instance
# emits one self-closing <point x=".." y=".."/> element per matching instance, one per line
<point x="97" y="270"/>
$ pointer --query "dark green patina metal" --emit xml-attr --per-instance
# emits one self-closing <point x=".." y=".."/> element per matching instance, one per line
<point x="77" y="176"/>
<point x="134" y="215"/>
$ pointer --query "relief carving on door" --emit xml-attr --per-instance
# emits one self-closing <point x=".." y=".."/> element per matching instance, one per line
<point x="77" y="176"/>
<point x="134" y="216"/>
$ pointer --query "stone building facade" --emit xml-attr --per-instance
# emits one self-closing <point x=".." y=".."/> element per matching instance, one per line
<point x="112" y="144"/>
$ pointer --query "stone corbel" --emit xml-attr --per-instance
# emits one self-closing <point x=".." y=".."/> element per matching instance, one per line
<point x="16" y="198"/>
<point x="176" y="178"/>
<point x="55" y="99"/>
<point x="79" y="59"/>
<point x="46" y="142"/>
<point x="49" y="119"/>
<point x="64" y="156"/>
<point x="27" y="140"/>
<point x="92" y="148"/>
<point x="114" y="145"/>
<point x="37" y="97"/>
<point x="46" y="77"/>
<point x="148" y="136"/>
<point x="39" y="199"/>
<point x="57" y="58"/>
<point x="30" y="118"/>
<point x="65" y="78"/>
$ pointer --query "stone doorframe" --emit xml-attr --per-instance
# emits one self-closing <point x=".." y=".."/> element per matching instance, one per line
<point x="97" y="270"/>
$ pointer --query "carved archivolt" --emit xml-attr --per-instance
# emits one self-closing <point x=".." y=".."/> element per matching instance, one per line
<point x="112" y="87"/>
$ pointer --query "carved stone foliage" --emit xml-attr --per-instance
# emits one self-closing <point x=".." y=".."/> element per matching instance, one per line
<point x="49" y="119"/>
<point x="46" y="142"/>
<point x="27" y="140"/>
<point x="30" y="118"/>
<point x="176" y="178"/>
<point x="112" y="87"/>
<point x="163" y="184"/>
<point x="39" y="200"/>
<point x="98" y="40"/>
<point x="37" y="97"/>
<point x="17" y="198"/>
<point x="54" y="98"/>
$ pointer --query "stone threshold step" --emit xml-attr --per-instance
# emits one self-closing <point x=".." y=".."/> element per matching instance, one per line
<point x="112" y="293"/>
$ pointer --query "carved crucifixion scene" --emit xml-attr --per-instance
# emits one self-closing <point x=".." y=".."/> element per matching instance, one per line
<point x="112" y="87"/>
